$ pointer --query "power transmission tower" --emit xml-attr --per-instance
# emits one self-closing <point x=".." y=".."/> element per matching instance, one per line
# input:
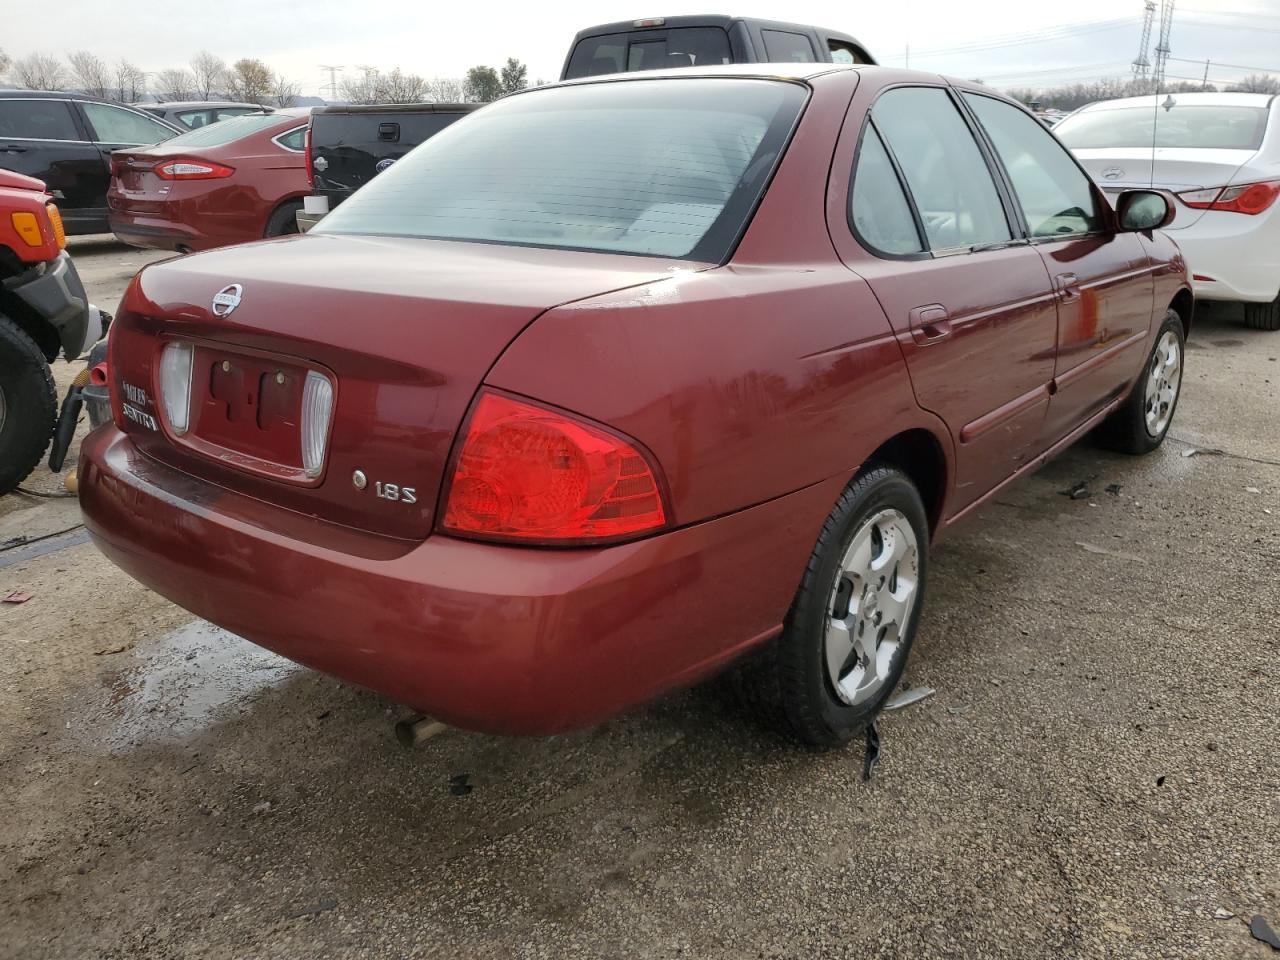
<point x="334" y="70"/>
<point x="1162" y="45"/>
<point x="1142" y="65"/>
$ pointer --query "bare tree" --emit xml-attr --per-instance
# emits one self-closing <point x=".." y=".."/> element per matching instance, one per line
<point x="89" y="73"/>
<point x="210" y="74"/>
<point x="4" y="62"/>
<point x="444" y="90"/>
<point x="39" y="71"/>
<point x="250" y="81"/>
<point x="284" y="91"/>
<point x="361" y="89"/>
<point x="398" y="87"/>
<point x="1257" y="83"/>
<point x="131" y="82"/>
<point x="175" y="84"/>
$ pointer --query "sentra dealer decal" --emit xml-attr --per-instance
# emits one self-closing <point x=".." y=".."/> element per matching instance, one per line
<point x="136" y="398"/>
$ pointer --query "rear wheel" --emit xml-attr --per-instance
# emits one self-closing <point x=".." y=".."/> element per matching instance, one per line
<point x="1141" y="424"/>
<point x="1263" y="316"/>
<point x="28" y="405"/>
<point x="284" y="220"/>
<point x="851" y="626"/>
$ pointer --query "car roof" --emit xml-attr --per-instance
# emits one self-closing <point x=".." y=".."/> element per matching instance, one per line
<point x="13" y="94"/>
<point x="207" y="105"/>
<point x="1201" y="99"/>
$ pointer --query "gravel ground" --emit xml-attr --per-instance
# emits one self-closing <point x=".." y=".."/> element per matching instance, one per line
<point x="1095" y="776"/>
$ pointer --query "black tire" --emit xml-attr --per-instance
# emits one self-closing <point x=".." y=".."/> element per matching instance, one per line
<point x="788" y="684"/>
<point x="284" y="220"/>
<point x="29" y="405"/>
<point x="1263" y="316"/>
<point x="1126" y="430"/>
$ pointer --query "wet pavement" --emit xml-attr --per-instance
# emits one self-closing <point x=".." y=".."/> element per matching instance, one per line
<point x="1096" y="775"/>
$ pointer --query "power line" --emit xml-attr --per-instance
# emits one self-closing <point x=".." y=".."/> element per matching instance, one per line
<point x="1045" y="35"/>
<point x="1231" y="66"/>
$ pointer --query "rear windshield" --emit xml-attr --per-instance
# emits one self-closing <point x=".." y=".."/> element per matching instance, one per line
<point x="649" y="50"/>
<point x="668" y="168"/>
<point x="1211" y="127"/>
<point x="225" y="131"/>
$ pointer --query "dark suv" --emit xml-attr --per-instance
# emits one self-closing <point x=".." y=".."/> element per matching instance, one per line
<point x="661" y="43"/>
<point x="66" y="139"/>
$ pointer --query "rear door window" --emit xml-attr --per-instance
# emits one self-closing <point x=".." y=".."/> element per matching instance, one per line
<point x="37" y="120"/>
<point x="1055" y="194"/>
<point x="783" y="46"/>
<point x="649" y="50"/>
<point x="844" y="52"/>
<point x="117" y="125"/>
<point x="193" y="118"/>
<point x="293" y="139"/>
<point x="878" y="208"/>
<point x="946" y="173"/>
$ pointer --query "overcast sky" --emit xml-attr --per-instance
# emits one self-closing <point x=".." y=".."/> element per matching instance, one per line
<point x="1005" y="42"/>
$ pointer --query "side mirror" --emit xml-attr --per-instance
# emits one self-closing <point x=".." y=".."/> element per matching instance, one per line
<point x="1142" y="210"/>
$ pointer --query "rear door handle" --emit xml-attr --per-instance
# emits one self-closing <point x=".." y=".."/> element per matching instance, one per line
<point x="13" y="148"/>
<point x="930" y="323"/>
<point x="1068" y="285"/>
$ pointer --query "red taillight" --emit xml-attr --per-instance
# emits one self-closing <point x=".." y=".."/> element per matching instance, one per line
<point x="1247" y="198"/>
<point x="534" y="475"/>
<point x="192" y="170"/>
<point x="306" y="152"/>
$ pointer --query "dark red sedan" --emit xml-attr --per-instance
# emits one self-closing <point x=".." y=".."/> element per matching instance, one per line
<point x="617" y="381"/>
<point x="233" y="181"/>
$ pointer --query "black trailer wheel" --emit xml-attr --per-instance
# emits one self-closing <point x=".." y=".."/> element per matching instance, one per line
<point x="28" y="405"/>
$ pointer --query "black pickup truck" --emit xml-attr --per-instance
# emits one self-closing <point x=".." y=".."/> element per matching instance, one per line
<point x="663" y="43"/>
<point x="347" y="146"/>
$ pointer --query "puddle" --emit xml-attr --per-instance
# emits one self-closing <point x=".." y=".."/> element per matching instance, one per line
<point x="182" y="684"/>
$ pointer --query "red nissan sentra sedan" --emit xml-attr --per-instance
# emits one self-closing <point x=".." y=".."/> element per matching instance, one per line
<point x="233" y="181"/>
<point x="615" y="381"/>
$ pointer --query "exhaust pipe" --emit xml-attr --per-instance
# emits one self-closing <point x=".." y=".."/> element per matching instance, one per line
<point x="417" y="730"/>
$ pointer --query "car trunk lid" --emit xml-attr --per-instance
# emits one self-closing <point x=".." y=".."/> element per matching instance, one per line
<point x="404" y="329"/>
<point x="1178" y="169"/>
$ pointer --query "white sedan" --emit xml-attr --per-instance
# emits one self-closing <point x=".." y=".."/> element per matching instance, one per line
<point x="1220" y="154"/>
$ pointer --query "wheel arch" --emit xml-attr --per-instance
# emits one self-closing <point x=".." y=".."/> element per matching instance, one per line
<point x="13" y="309"/>
<point x="1184" y="305"/>
<point x="921" y="456"/>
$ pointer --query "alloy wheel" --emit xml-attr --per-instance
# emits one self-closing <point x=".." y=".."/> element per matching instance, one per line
<point x="1164" y="379"/>
<point x="871" y="604"/>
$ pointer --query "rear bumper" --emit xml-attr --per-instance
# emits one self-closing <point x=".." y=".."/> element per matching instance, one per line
<point x="501" y="639"/>
<point x="1236" y="257"/>
<point x="156" y="234"/>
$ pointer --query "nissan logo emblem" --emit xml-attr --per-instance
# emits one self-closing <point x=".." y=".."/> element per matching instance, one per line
<point x="226" y="300"/>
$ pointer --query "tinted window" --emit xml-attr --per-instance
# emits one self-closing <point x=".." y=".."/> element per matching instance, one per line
<point x="668" y="168"/>
<point x="878" y="209"/>
<point x="1221" y="128"/>
<point x="946" y="173"/>
<point x="192" y="118"/>
<point x="37" y="120"/>
<point x="649" y="50"/>
<point x="1056" y="196"/>
<point x="226" y="131"/>
<point x="843" y="52"/>
<point x="294" y="139"/>
<point x="781" y="46"/>
<point x="117" y="125"/>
